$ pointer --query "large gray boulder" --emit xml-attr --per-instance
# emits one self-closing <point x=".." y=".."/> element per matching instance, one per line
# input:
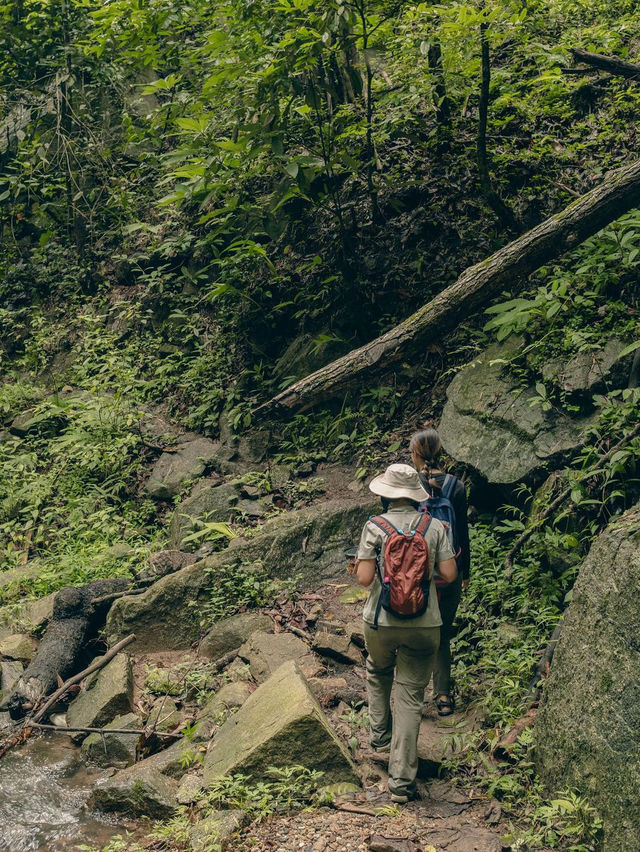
<point x="308" y="543"/>
<point x="108" y="693"/>
<point x="588" y="728"/>
<point x="281" y="724"/>
<point x="113" y="749"/>
<point x="209" y="501"/>
<point x="174" y="469"/>
<point x="266" y="652"/>
<point x="495" y="425"/>
<point x="139" y="790"/>
<point x="231" y="633"/>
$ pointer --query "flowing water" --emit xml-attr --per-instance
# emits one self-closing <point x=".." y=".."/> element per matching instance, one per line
<point x="44" y="789"/>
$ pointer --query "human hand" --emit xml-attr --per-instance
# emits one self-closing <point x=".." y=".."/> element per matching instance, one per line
<point x="465" y="584"/>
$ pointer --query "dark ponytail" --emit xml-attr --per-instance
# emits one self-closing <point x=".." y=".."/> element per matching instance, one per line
<point x="426" y="444"/>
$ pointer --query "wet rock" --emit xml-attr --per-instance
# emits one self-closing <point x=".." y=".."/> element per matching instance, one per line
<point x="280" y="724"/>
<point x="305" y="542"/>
<point x="10" y="671"/>
<point x="216" y="830"/>
<point x="587" y="731"/>
<point x="173" y="470"/>
<point x="137" y="791"/>
<point x="164" y="715"/>
<point x="107" y="693"/>
<point x="117" y="750"/>
<point x="17" y="646"/>
<point x="337" y="648"/>
<point x="490" y="423"/>
<point x="266" y="652"/>
<point x="229" y="634"/>
<point x="379" y="843"/>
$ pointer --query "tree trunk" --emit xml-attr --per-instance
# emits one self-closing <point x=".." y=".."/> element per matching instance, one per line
<point x="78" y="614"/>
<point x="618" y="193"/>
<point x="499" y="207"/>
<point x="612" y="64"/>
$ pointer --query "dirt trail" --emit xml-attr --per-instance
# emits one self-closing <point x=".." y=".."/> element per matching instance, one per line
<point x="445" y="817"/>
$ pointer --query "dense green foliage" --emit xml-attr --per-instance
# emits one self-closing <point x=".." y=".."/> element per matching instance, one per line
<point x="203" y="201"/>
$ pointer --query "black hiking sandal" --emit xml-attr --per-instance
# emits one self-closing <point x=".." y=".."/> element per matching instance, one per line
<point x="446" y="706"/>
<point x="402" y="798"/>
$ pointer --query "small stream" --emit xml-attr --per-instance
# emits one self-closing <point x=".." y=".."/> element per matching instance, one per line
<point x="44" y="789"/>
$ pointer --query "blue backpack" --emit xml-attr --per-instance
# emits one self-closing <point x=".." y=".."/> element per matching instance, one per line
<point x="442" y="508"/>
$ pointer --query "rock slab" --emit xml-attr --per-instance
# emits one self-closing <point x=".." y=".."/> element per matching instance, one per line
<point x="111" y="749"/>
<point x="281" y="724"/>
<point x="266" y="652"/>
<point x="216" y="830"/>
<point x="173" y="470"/>
<point x="231" y="633"/>
<point x="588" y="727"/>
<point x="138" y="791"/>
<point x="495" y="426"/>
<point x="107" y="694"/>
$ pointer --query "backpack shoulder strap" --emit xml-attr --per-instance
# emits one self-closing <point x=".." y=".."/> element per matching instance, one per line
<point x="423" y="524"/>
<point x="448" y="485"/>
<point x="382" y="523"/>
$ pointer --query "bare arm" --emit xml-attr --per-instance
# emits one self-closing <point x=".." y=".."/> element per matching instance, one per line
<point x="366" y="570"/>
<point x="448" y="570"/>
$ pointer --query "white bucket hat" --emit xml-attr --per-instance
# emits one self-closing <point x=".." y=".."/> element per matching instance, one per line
<point x="399" y="480"/>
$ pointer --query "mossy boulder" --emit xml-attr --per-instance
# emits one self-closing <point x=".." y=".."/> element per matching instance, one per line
<point x="495" y="425"/>
<point x="266" y="652"/>
<point x="307" y="543"/>
<point x="281" y="724"/>
<point x="175" y="468"/>
<point x="588" y="727"/>
<point x="137" y="791"/>
<point x="108" y="693"/>
<point x="209" y="500"/>
<point x="230" y="633"/>
<point x="113" y="749"/>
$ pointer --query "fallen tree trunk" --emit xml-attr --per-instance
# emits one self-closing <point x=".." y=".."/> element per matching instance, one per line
<point x="78" y="614"/>
<point x="612" y="64"/>
<point x="618" y="193"/>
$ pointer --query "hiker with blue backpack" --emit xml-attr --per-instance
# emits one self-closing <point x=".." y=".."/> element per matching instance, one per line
<point x="447" y="501"/>
<point x="401" y="553"/>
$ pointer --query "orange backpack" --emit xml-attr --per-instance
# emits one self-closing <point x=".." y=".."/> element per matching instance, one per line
<point x="404" y="569"/>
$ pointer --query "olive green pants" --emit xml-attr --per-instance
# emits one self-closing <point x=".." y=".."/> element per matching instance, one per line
<point x="411" y="651"/>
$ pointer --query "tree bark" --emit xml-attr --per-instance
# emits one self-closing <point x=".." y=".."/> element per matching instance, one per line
<point x="618" y="193"/>
<point x="499" y="207"/>
<point x="612" y="64"/>
<point x="77" y="616"/>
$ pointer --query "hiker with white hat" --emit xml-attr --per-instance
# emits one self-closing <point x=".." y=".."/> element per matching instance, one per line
<point x="401" y="553"/>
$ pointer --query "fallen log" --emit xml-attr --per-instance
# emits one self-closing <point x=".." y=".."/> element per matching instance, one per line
<point x="476" y="287"/>
<point x="94" y="667"/>
<point x="600" y="62"/>
<point x="78" y="614"/>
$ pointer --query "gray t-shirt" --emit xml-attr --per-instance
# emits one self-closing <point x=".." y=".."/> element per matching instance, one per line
<point x="372" y="543"/>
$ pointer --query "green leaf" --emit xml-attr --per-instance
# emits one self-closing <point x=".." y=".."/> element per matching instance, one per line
<point x="629" y="349"/>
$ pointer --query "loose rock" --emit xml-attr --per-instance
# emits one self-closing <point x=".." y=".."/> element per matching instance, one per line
<point x="117" y="750"/>
<point x="266" y="652"/>
<point x="280" y="724"/>
<point x="18" y="646"/>
<point x="216" y="828"/>
<point x="173" y="470"/>
<point x="336" y="648"/>
<point x="137" y="791"/>
<point x="108" y="693"/>
<point x="229" y="634"/>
